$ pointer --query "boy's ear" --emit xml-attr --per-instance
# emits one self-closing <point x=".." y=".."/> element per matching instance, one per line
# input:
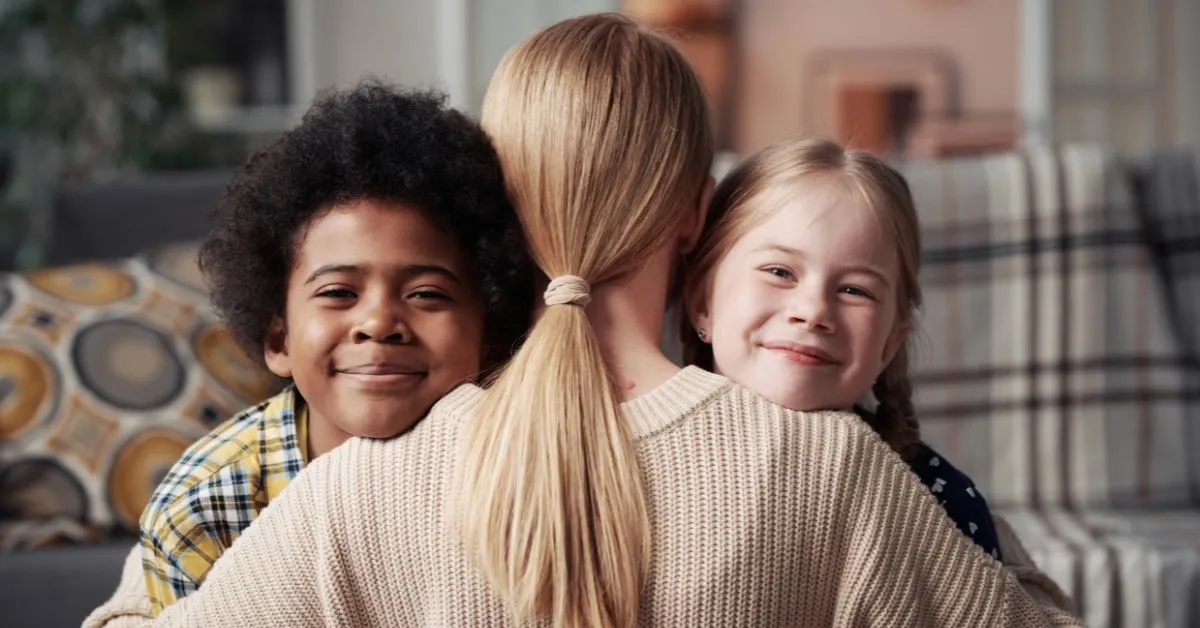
<point x="693" y="223"/>
<point x="275" y="349"/>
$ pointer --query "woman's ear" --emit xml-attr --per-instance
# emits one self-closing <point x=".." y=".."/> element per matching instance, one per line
<point x="693" y="222"/>
<point x="275" y="349"/>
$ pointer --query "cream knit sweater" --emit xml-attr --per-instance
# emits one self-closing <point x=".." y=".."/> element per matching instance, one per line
<point x="761" y="517"/>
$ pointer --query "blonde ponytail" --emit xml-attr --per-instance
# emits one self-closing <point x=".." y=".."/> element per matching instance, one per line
<point x="571" y="517"/>
<point x="603" y="133"/>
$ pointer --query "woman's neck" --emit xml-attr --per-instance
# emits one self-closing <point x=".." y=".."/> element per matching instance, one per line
<point x="627" y="317"/>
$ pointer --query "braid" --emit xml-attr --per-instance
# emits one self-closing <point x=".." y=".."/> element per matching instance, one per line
<point x="895" y="420"/>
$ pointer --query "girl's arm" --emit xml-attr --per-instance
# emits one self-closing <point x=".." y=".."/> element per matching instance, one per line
<point x="963" y="502"/>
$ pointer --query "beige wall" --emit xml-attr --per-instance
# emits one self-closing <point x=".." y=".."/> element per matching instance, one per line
<point x="779" y="37"/>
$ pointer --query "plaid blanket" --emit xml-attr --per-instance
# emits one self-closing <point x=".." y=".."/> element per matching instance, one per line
<point x="1058" y="366"/>
<point x="1122" y="568"/>
<point x="1171" y="211"/>
<point x="1049" y="368"/>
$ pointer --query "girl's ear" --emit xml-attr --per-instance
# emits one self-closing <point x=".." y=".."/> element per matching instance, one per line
<point x="695" y="303"/>
<point x="693" y="222"/>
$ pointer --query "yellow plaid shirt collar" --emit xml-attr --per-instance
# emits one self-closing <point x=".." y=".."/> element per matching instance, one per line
<point x="216" y="490"/>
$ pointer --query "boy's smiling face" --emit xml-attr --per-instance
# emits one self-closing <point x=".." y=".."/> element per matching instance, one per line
<point x="381" y="320"/>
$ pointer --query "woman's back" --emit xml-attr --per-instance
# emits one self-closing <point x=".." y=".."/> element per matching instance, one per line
<point x="761" y="517"/>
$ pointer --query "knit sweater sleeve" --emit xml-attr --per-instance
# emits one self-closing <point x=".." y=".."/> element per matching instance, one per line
<point x="279" y="571"/>
<point x="130" y="603"/>
<point x="905" y="559"/>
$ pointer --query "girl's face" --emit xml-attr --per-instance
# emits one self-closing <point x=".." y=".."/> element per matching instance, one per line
<point x="803" y="308"/>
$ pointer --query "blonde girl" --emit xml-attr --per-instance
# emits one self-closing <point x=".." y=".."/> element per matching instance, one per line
<point x="804" y="289"/>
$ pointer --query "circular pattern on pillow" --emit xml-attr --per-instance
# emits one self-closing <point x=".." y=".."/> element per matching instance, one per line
<point x="86" y="284"/>
<point x="216" y="349"/>
<point x="128" y="363"/>
<point x="40" y="488"/>
<point x="28" y="385"/>
<point x="177" y="262"/>
<point x="138" y="466"/>
<point x="101" y="390"/>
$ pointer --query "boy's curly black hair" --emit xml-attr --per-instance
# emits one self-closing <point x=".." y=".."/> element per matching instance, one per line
<point x="379" y="142"/>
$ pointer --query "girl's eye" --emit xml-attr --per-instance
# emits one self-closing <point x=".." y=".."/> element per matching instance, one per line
<point x="779" y="271"/>
<point x="336" y="293"/>
<point x="857" y="292"/>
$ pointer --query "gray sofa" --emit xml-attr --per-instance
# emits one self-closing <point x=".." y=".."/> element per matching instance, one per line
<point x="119" y="218"/>
<point x="58" y="586"/>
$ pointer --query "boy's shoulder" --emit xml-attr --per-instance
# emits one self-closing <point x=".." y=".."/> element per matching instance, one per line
<point x="233" y="454"/>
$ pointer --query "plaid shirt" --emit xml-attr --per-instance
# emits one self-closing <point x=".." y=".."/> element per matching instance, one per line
<point x="217" y="488"/>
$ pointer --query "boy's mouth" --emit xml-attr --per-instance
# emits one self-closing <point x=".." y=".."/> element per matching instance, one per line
<point x="384" y="374"/>
<point x="381" y="369"/>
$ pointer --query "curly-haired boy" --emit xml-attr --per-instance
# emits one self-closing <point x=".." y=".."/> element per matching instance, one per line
<point x="371" y="257"/>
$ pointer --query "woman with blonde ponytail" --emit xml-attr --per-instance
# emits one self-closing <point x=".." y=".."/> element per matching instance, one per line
<point x="553" y="503"/>
<point x="594" y="483"/>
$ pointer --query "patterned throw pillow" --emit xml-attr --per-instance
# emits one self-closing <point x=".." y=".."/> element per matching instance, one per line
<point x="107" y="373"/>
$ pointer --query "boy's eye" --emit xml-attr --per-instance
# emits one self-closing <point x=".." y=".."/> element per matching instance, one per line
<point x="336" y="293"/>
<point x="429" y="295"/>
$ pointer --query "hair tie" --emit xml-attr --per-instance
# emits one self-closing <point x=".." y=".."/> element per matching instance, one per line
<point x="568" y="290"/>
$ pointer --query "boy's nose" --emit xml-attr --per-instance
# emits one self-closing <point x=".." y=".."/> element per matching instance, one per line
<point x="382" y="323"/>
